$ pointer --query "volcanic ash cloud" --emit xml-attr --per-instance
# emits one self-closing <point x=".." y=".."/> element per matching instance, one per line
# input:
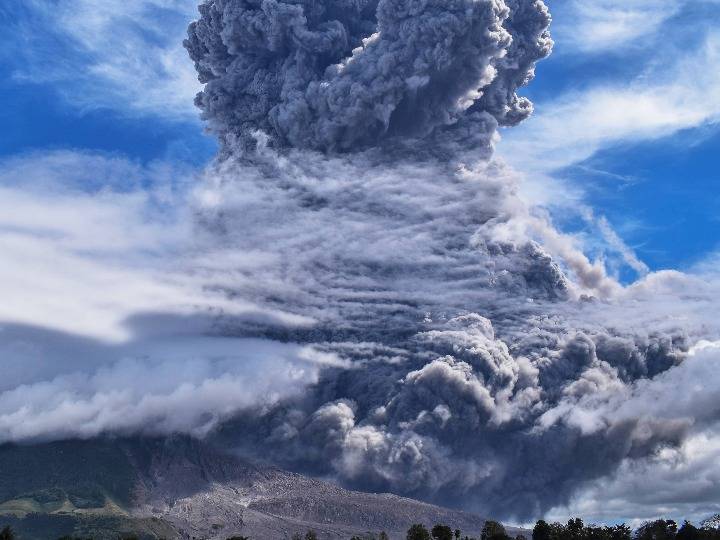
<point x="461" y="349"/>
<point x="356" y="179"/>
<point x="340" y="76"/>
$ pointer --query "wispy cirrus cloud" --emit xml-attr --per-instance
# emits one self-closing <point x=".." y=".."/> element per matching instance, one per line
<point x="126" y="56"/>
<point x="673" y="92"/>
<point x="598" y="25"/>
<point x="657" y="103"/>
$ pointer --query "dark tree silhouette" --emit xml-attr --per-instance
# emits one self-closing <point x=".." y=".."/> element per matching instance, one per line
<point x="542" y="531"/>
<point x="493" y="530"/>
<point x="662" y="529"/>
<point x="442" y="532"/>
<point x="418" y="532"/>
<point x="7" y="534"/>
<point x="575" y="528"/>
<point x="619" y="532"/>
<point x="688" y="532"/>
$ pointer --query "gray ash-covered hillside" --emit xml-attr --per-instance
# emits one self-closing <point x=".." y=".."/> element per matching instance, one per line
<point x="357" y="182"/>
<point x="181" y="488"/>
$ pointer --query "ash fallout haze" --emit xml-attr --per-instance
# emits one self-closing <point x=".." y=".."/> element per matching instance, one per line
<point x="379" y="265"/>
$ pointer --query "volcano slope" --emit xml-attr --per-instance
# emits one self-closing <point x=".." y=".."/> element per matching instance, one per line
<point x="181" y="488"/>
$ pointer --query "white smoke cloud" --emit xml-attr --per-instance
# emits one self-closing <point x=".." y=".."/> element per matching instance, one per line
<point x="178" y="385"/>
<point x="107" y="319"/>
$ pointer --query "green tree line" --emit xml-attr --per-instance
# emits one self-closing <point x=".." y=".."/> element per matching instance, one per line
<point x="575" y="529"/>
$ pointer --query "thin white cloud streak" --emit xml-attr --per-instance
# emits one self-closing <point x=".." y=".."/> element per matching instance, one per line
<point x="576" y="125"/>
<point x="613" y="241"/>
<point x="593" y="26"/>
<point x="127" y="56"/>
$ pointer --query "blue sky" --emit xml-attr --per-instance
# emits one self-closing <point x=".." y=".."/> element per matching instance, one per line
<point x="69" y="86"/>
<point x="664" y="200"/>
<point x="637" y="81"/>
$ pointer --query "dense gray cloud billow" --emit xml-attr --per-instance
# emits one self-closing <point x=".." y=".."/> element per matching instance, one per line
<point x="338" y="76"/>
<point x="357" y="253"/>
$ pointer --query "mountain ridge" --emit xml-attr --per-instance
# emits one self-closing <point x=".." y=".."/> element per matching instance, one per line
<point x="180" y="487"/>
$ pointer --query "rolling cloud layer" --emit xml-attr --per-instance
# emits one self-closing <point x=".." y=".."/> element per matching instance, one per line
<point x="363" y="295"/>
<point x="468" y="365"/>
<point x="357" y="176"/>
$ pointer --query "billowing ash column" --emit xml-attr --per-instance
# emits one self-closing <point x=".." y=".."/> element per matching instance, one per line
<point x="344" y="75"/>
<point x="356" y="203"/>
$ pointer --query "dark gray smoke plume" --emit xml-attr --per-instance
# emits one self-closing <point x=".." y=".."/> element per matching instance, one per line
<point x="341" y="75"/>
<point x="465" y="364"/>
